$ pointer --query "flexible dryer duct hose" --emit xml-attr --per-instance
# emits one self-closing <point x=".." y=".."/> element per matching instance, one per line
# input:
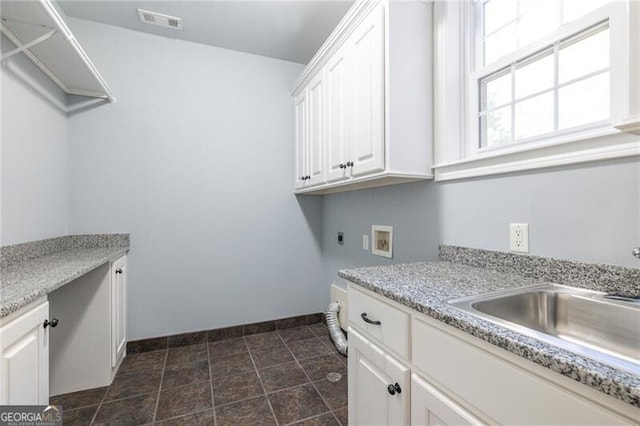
<point x="334" y="327"/>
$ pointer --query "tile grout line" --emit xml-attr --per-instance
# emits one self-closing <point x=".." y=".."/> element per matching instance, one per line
<point x="313" y="417"/>
<point x="270" y="393"/>
<point x="183" y="415"/>
<point x="128" y="397"/>
<point x="320" y="393"/>
<point x="213" y="399"/>
<point x="311" y="381"/>
<point x="164" y="367"/>
<point x="93" y="419"/>
<point x="255" y="367"/>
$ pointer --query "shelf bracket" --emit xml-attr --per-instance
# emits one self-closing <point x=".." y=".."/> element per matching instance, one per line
<point x="23" y="47"/>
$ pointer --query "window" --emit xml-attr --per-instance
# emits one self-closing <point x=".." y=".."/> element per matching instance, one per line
<point x="507" y="25"/>
<point x="530" y="75"/>
<point x="564" y="86"/>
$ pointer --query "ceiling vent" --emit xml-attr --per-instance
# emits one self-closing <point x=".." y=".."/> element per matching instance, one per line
<point x="155" y="18"/>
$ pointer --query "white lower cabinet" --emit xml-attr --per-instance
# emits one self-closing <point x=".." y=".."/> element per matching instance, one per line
<point x="498" y="390"/>
<point x="451" y="378"/>
<point x="429" y="406"/>
<point x="379" y="385"/>
<point x="24" y="356"/>
<point x="118" y="296"/>
<point x="82" y="351"/>
<point x="90" y="342"/>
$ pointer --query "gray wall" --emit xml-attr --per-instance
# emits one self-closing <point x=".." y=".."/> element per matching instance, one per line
<point x="195" y="160"/>
<point x="33" y="153"/>
<point x="587" y="213"/>
<point x="409" y="208"/>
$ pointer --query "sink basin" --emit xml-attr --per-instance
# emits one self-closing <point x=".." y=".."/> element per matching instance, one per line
<point x="580" y="320"/>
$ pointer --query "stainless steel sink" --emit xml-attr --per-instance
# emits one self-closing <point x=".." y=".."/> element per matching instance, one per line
<point x="582" y="321"/>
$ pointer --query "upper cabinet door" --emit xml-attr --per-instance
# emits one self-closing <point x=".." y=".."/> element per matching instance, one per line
<point x="337" y="122"/>
<point x="302" y="139"/>
<point x="352" y="85"/>
<point x="317" y="130"/>
<point x="367" y="86"/>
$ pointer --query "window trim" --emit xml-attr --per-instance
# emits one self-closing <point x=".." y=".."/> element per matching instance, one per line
<point x="456" y="132"/>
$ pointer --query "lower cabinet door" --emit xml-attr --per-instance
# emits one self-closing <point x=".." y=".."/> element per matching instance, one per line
<point x="24" y="359"/>
<point x="118" y="310"/>
<point x="431" y="407"/>
<point x="379" y="385"/>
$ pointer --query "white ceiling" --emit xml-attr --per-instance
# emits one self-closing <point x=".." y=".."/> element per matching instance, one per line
<point x="288" y="30"/>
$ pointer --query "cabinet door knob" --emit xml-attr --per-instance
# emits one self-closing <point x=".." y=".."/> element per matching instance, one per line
<point x="393" y="389"/>
<point x="119" y="271"/>
<point x="343" y="166"/>
<point x="349" y="163"/>
<point x="52" y="323"/>
<point x="367" y="320"/>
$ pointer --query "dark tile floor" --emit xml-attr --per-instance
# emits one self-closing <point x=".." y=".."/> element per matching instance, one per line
<point x="272" y="378"/>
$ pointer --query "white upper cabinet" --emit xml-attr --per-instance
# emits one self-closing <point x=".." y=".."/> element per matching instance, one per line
<point x="302" y="139"/>
<point x="366" y="124"/>
<point x="336" y="147"/>
<point x="374" y="114"/>
<point x="317" y="130"/>
<point x="311" y="129"/>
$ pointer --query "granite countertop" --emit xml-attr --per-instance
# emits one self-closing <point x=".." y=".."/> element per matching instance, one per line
<point x="23" y="281"/>
<point x="426" y="287"/>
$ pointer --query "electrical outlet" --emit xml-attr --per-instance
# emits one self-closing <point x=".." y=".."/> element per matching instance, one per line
<point x="519" y="237"/>
<point x="365" y="242"/>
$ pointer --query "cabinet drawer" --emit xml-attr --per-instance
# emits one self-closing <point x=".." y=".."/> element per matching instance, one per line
<point x="384" y="323"/>
<point x="497" y="388"/>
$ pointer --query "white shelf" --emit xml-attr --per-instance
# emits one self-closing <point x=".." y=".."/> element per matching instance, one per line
<point x="38" y="30"/>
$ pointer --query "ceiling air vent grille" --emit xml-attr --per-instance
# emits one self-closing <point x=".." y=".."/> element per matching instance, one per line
<point x="160" y="19"/>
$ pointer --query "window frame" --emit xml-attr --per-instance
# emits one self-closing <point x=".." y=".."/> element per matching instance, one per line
<point x="457" y="127"/>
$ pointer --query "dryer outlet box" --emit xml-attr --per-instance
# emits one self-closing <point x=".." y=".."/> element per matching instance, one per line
<point x="339" y="294"/>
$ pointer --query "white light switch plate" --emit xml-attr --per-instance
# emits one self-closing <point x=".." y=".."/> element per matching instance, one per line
<point x="519" y="237"/>
<point x="365" y="242"/>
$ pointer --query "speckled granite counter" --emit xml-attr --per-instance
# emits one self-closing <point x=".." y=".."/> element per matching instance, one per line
<point x="426" y="287"/>
<point x="36" y="269"/>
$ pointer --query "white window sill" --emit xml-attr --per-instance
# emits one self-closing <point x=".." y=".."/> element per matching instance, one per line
<point x="602" y="144"/>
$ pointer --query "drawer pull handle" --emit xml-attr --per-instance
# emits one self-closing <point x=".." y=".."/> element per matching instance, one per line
<point x="393" y="389"/>
<point x="364" y="317"/>
<point x="119" y="271"/>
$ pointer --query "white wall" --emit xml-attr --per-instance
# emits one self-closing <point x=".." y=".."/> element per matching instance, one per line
<point x="33" y="153"/>
<point x="587" y="213"/>
<point x="195" y="160"/>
